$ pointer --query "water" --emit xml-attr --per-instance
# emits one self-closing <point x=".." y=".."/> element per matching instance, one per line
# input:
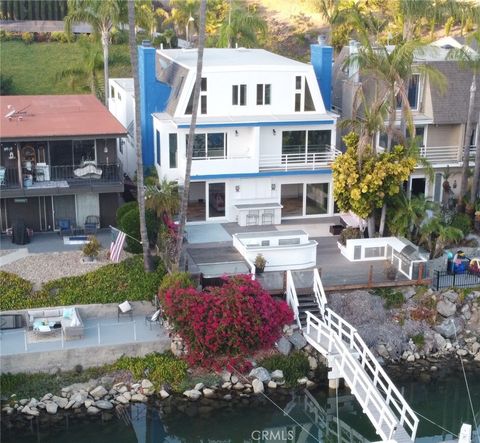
<point x="311" y="418"/>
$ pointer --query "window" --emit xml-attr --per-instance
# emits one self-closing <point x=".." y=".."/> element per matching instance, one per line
<point x="305" y="142"/>
<point x="83" y="150"/>
<point x="263" y="94"/>
<point x="308" y="105"/>
<point x="413" y="93"/>
<point x="119" y="96"/>
<point x="303" y="96"/>
<point x="239" y="95"/>
<point x="112" y="92"/>
<point x="173" y="150"/>
<point x="179" y="87"/>
<point x="203" y="98"/>
<point x="121" y="143"/>
<point x="157" y="146"/>
<point x="209" y="145"/>
<point x="375" y="251"/>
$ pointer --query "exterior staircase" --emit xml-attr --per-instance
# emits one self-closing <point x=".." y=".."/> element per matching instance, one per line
<point x="307" y="302"/>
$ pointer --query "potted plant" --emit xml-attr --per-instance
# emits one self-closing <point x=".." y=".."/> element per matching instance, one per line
<point x="260" y="263"/>
<point x="390" y="271"/>
<point x="91" y="249"/>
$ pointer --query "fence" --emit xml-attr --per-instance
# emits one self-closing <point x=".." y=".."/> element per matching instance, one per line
<point x="444" y="279"/>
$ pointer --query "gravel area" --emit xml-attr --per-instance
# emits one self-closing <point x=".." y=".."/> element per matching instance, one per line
<point x="40" y="268"/>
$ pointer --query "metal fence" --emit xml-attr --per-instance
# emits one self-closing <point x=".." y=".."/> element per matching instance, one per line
<point x="444" y="279"/>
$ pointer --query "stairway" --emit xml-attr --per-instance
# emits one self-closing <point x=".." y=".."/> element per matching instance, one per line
<point x="307" y="302"/>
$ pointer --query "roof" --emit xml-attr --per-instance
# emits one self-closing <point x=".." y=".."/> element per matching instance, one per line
<point x="230" y="57"/>
<point x="124" y="83"/>
<point x="56" y="116"/>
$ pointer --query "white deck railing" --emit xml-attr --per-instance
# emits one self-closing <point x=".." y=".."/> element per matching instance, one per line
<point x="291" y="295"/>
<point x="287" y="162"/>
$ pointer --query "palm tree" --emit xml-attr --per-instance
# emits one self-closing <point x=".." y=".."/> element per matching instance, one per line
<point x="138" y="136"/>
<point x="102" y="16"/>
<point x="469" y="59"/>
<point x="436" y="234"/>
<point x="181" y="14"/>
<point x="242" y="27"/>
<point x="191" y="134"/>
<point x="163" y="198"/>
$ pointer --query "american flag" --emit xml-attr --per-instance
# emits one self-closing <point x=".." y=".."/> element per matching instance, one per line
<point x="118" y="239"/>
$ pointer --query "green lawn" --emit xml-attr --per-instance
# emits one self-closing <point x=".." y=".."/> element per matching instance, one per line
<point x="34" y="67"/>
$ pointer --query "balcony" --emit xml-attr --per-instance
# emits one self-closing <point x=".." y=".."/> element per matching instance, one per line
<point x="62" y="180"/>
<point x="305" y="161"/>
<point x="223" y="164"/>
<point x="438" y="155"/>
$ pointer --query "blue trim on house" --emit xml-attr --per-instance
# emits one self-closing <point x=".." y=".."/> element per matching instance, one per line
<point x="321" y="58"/>
<point x="261" y="174"/>
<point x="259" y="123"/>
<point x="153" y="98"/>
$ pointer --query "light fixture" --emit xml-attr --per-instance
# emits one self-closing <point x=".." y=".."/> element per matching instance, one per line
<point x="274" y="132"/>
<point x="105" y="149"/>
<point x="274" y="186"/>
<point x="454" y="186"/>
<point x="236" y="133"/>
<point x="237" y="188"/>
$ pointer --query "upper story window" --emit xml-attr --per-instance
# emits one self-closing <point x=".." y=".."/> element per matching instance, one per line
<point x="173" y="150"/>
<point x="413" y="93"/>
<point x="157" y="146"/>
<point x="305" y="142"/>
<point x="303" y="96"/>
<point x="264" y="94"/>
<point x="210" y="145"/>
<point x="119" y="96"/>
<point x="239" y="95"/>
<point x="203" y="98"/>
<point x="112" y="92"/>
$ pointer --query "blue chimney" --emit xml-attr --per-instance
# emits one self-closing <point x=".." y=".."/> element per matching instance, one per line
<point x="321" y="57"/>
<point x="153" y="98"/>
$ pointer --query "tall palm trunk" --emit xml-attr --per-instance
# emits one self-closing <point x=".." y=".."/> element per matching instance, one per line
<point x="466" y="144"/>
<point x="138" y="135"/>
<point x="191" y="135"/>
<point x="105" y="43"/>
<point x="476" y="173"/>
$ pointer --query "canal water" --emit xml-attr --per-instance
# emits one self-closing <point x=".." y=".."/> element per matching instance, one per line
<point x="318" y="416"/>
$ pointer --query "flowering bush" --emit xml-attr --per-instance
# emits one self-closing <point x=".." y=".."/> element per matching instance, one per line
<point x="229" y="321"/>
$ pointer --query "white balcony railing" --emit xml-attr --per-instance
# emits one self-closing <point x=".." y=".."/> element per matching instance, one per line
<point x="287" y="162"/>
<point x="437" y="154"/>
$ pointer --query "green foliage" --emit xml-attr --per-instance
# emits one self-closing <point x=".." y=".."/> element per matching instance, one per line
<point x="177" y="279"/>
<point x="6" y="35"/>
<point x="130" y="224"/>
<point x="27" y="37"/>
<point x="59" y="36"/>
<point x="294" y="366"/>
<point x="349" y="233"/>
<point x="463" y="222"/>
<point x="122" y="210"/>
<point x="119" y="37"/>
<point x="92" y="248"/>
<point x="6" y="84"/>
<point x="159" y="368"/>
<point x="419" y="340"/>
<point x="393" y="299"/>
<point x="14" y="290"/>
<point x="362" y="189"/>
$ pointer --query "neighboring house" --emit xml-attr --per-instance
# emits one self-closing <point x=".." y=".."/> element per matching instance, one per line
<point x="121" y="103"/>
<point x="58" y="161"/>
<point x="439" y="118"/>
<point x="265" y="134"/>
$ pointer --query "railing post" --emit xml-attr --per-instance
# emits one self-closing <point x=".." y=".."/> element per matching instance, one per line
<point x="438" y="280"/>
<point x="134" y="331"/>
<point x="61" y="334"/>
<point x="370" y="276"/>
<point x="25" y="339"/>
<point x="98" y="328"/>
<point x="420" y="272"/>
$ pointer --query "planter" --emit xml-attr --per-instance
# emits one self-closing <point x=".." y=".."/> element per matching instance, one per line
<point x="259" y="270"/>
<point x="336" y="229"/>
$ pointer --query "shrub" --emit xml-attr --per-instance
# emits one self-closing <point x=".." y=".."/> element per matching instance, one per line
<point x="91" y="248"/>
<point x="230" y="321"/>
<point x="349" y="233"/>
<point x="393" y="299"/>
<point x="6" y="35"/>
<point x="41" y="37"/>
<point x="159" y="368"/>
<point x="14" y="290"/>
<point x="178" y="280"/>
<point x="59" y="36"/>
<point x="463" y="222"/>
<point x="418" y="339"/>
<point x="294" y="366"/>
<point x="130" y="224"/>
<point x="119" y="37"/>
<point x="27" y="37"/>
<point x="122" y="210"/>
<point x="6" y="84"/>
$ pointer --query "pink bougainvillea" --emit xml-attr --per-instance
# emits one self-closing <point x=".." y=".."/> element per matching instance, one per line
<point x="225" y="323"/>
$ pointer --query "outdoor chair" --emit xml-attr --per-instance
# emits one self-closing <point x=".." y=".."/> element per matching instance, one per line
<point x="155" y="318"/>
<point x="92" y="223"/>
<point x="125" y="308"/>
<point x="252" y="218"/>
<point x="267" y="217"/>
<point x="65" y="227"/>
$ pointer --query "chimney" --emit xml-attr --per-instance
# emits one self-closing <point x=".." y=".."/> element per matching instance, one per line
<point x="321" y="57"/>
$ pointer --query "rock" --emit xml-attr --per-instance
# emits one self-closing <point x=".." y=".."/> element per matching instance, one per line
<point x="446" y="308"/>
<point x="310" y="384"/>
<point x="411" y="358"/>
<point x="208" y="393"/>
<point x="416" y="355"/>
<point x="92" y="410"/>
<point x="51" y="407"/>
<point x="409" y="292"/>
<point x="147" y="384"/>
<point x="42" y="405"/>
<point x="312" y="361"/>
<point x="284" y="346"/>
<point x="192" y="394"/>
<point x="199" y="386"/>
<point x="120" y="399"/>
<point x="164" y="394"/>
<point x="46" y="397"/>
<point x="234" y="379"/>
<point x="298" y="340"/>
<point x="440" y="342"/>
<point x="122" y="389"/>
<point x="78" y="397"/>
<point x="272" y="385"/>
<point x="477" y="357"/>
<point x="382" y="351"/>
<point x="8" y="410"/>
<point x="33" y="403"/>
<point x="107" y="381"/>
<point x="474" y="348"/>
<point x="227" y="397"/>
<point x="238" y="386"/>
<point x="227" y="385"/>
<point x="302" y="381"/>
<point x="261" y="374"/>
<point x="60" y="401"/>
<point x="258" y="387"/>
<point x="88" y="402"/>
<point x="462" y="352"/>
<point x="448" y="326"/>
<point x="98" y="392"/>
<point x="30" y="411"/>
<point x="139" y="398"/>
<point x="277" y="375"/>
<point x="226" y="376"/>
<point x="451" y="296"/>
<point x="24" y="401"/>
<point x="103" y="404"/>
<point x="433" y="369"/>
<point x="127" y="395"/>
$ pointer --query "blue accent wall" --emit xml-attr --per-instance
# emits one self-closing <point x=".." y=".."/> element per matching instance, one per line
<point x="321" y="58"/>
<point x="262" y="174"/>
<point x="153" y="98"/>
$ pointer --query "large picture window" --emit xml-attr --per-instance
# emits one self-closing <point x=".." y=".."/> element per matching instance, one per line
<point x="210" y="145"/>
<point x="305" y="142"/>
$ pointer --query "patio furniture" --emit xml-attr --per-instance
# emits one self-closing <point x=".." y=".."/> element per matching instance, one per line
<point x="92" y="223"/>
<point x="252" y="217"/>
<point x="155" y="318"/>
<point x="336" y="229"/>
<point x="65" y="227"/>
<point x="67" y="319"/>
<point x="124" y="308"/>
<point x="20" y="233"/>
<point x="11" y="321"/>
<point x="267" y="217"/>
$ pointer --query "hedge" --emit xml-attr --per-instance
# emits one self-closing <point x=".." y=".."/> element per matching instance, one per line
<point x="112" y="283"/>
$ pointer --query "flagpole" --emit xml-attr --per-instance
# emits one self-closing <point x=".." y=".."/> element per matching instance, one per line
<point x="133" y="238"/>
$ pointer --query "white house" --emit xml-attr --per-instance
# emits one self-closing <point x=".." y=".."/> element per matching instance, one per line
<point x="264" y="140"/>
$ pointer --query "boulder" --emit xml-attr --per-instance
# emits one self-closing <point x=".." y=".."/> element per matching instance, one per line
<point x="298" y="340"/>
<point x="474" y="348"/>
<point x="24" y="401"/>
<point x="88" y="402"/>
<point x="8" y="410"/>
<point x="409" y="292"/>
<point x="258" y="387"/>
<point x="302" y="381"/>
<point x="462" y="352"/>
<point x="139" y="398"/>
<point x="226" y="376"/>
<point x="261" y="374"/>
<point x="312" y="361"/>
<point x="199" y="386"/>
<point x="440" y="342"/>
<point x="127" y="395"/>
<point x="208" y="393"/>
<point x="227" y="397"/>
<point x="277" y="375"/>
<point x="382" y="351"/>
<point x="448" y="326"/>
<point x="450" y="295"/>
<point x="51" y="407"/>
<point x="33" y="403"/>
<point x="98" y="392"/>
<point x="272" y="385"/>
<point x="192" y="394"/>
<point x="92" y="410"/>
<point x="103" y="404"/>
<point x="30" y="411"/>
<point x="310" y="384"/>
<point x="60" y="401"/>
<point x="227" y="385"/>
<point x="121" y="399"/>
<point x="46" y="397"/>
<point x="122" y="389"/>
<point x="284" y="346"/>
<point x="164" y="394"/>
<point x="238" y="386"/>
<point x="446" y="308"/>
<point x="147" y="384"/>
<point x="234" y="379"/>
